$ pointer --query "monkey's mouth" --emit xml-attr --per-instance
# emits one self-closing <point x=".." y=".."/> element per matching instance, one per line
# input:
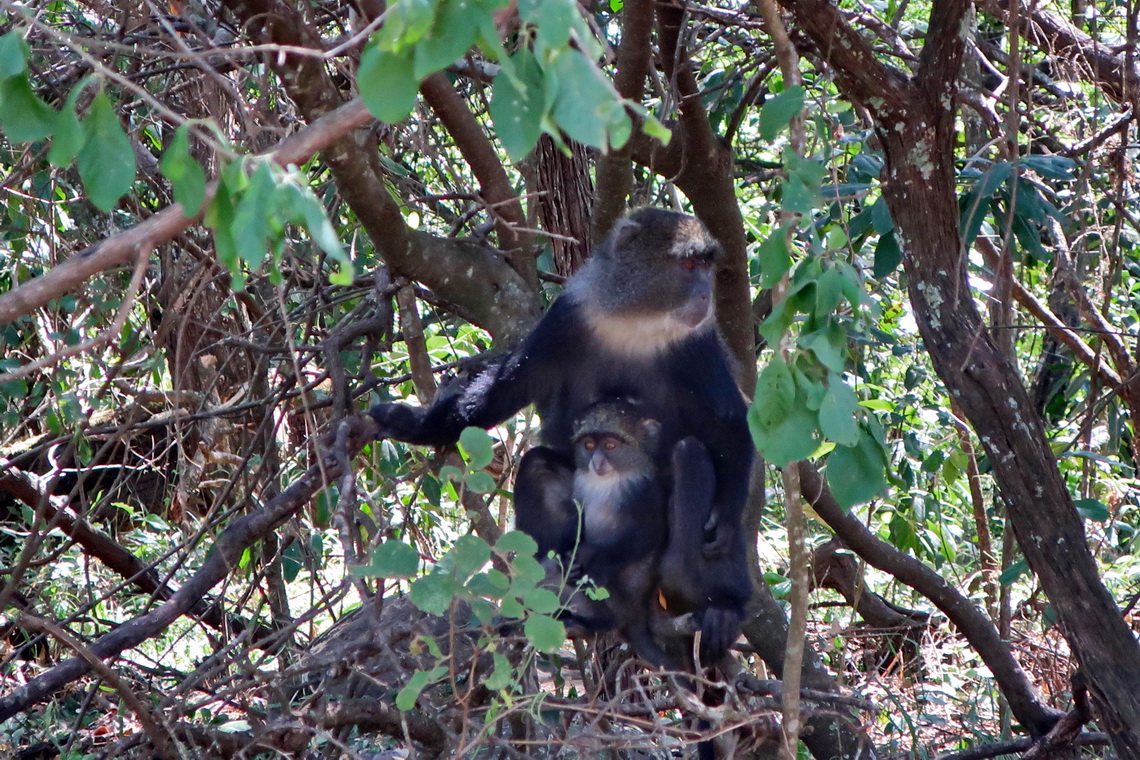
<point x="693" y="313"/>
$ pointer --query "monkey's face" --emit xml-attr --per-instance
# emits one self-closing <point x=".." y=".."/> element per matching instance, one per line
<point x="601" y="454"/>
<point x="654" y="276"/>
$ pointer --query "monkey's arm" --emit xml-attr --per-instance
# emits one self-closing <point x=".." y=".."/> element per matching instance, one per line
<point x="498" y="391"/>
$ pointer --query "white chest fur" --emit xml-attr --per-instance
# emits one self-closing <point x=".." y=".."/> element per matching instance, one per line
<point x="600" y="498"/>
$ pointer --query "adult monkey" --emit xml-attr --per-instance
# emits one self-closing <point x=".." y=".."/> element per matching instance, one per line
<point x="636" y="322"/>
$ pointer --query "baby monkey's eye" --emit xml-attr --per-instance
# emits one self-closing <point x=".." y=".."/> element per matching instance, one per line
<point x="611" y="444"/>
<point x="589" y="444"/>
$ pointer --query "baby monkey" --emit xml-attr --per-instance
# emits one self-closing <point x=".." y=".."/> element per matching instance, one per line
<point x="618" y="510"/>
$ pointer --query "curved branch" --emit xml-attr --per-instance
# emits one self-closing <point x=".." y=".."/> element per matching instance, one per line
<point x="502" y="200"/>
<point x="884" y="91"/>
<point x="1099" y="65"/>
<point x="964" y="614"/>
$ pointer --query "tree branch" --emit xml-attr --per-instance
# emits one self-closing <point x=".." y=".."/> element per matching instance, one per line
<point x="502" y="201"/>
<point x="165" y="225"/>
<point x="964" y="614"/>
<point x="353" y="434"/>
<point x="614" y="172"/>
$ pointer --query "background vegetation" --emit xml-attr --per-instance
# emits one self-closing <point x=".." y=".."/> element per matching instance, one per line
<point x="230" y="227"/>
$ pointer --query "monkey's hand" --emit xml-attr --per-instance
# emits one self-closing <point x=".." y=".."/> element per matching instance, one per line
<point x="720" y="627"/>
<point x="399" y="421"/>
<point x="724" y="536"/>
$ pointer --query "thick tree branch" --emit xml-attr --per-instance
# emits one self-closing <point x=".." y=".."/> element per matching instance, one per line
<point x="706" y="177"/>
<point x="477" y="281"/>
<point x="1095" y="61"/>
<point x="614" y="172"/>
<point x="1024" y="701"/>
<point x="882" y="90"/>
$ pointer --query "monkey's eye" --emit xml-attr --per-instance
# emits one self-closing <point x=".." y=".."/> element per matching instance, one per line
<point x="589" y="444"/>
<point x="611" y="444"/>
<point x="693" y="263"/>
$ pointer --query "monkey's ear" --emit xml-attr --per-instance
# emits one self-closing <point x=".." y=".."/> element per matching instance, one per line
<point x="651" y="427"/>
<point x="624" y="231"/>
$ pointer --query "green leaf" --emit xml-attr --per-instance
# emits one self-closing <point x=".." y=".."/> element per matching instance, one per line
<point x="391" y="559"/>
<point x="828" y="292"/>
<point x="518" y="542"/>
<point x="519" y="105"/>
<point x="1051" y="167"/>
<point x="68" y="138"/>
<point x="802" y="187"/>
<point x="470" y="554"/>
<point x="1092" y="509"/>
<point x="582" y="93"/>
<point x="881" y="218"/>
<point x="478" y="446"/>
<point x="23" y="116"/>
<point x="219" y="218"/>
<point x="291" y="563"/>
<point x="543" y="601"/>
<point x="837" y="413"/>
<point x="823" y="344"/>
<point x="503" y="676"/>
<point x="992" y="179"/>
<point x="13" y="55"/>
<point x="405" y="24"/>
<point x="888" y="256"/>
<point x="775" y="394"/>
<point x="185" y="174"/>
<point x="255" y="215"/>
<point x="450" y="37"/>
<point x="387" y="82"/>
<point x="1013" y="572"/>
<point x="544" y="632"/>
<point x="421" y="679"/>
<point x="480" y="482"/>
<point x="433" y="593"/>
<point x="106" y="162"/>
<point x="619" y="126"/>
<point x="554" y="19"/>
<point x="527" y="568"/>
<point x="492" y="583"/>
<point x="653" y="127"/>
<point x="857" y="473"/>
<point x="777" y="112"/>
<point x="306" y="209"/>
<point x="773" y="257"/>
<point x="796" y="438"/>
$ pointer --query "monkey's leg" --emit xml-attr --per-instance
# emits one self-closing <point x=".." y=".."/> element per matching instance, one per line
<point x="717" y="590"/>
